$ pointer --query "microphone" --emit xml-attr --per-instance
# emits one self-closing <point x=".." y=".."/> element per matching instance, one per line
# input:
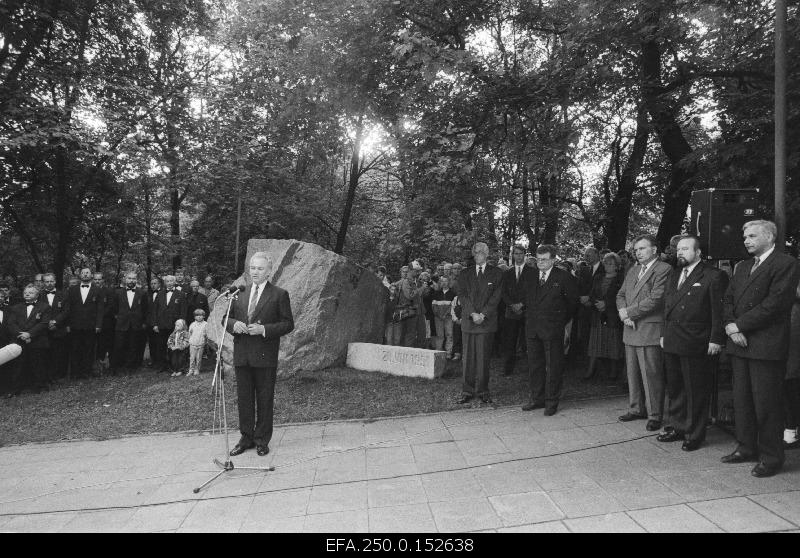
<point x="233" y="289"/>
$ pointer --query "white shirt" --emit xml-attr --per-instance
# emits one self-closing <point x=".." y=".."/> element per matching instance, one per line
<point x="155" y="294"/>
<point x="259" y="289"/>
<point x="643" y="270"/>
<point x="2" y="316"/>
<point x="480" y="269"/>
<point x="594" y="268"/>
<point x="29" y="309"/>
<point x="84" y="292"/>
<point x="169" y="296"/>
<point x="130" y="294"/>
<point x="50" y="298"/>
<point x="764" y="256"/>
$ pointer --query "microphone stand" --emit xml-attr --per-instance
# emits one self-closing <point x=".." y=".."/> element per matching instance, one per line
<point x="219" y="401"/>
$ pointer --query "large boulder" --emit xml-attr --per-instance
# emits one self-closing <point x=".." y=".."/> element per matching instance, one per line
<point x="334" y="302"/>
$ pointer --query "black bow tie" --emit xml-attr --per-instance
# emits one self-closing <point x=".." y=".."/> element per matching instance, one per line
<point x="131" y="288"/>
<point x="169" y="290"/>
<point x="85" y="286"/>
<point x="51" y="292"/>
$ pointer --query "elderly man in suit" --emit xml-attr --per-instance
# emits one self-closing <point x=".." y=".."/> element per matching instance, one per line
<point x="640" y="303"/>
<point x="28" y="323"/>
<point x="83" y="318"/>
<point x="514" y="299"/>
<point x="756" y="309"/>
<point x="58" y="355"/>
<point x="480" y="289"/>
<point x="551" y="300"/>
<point x="129" y="308"/>
<point x="691" y="336"/>
<point x="258" y="319"/>
<point x="170" y="306"/>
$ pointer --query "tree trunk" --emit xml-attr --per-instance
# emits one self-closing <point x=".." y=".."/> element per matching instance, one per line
<point x="355" y="173"/>
<point x="673" y="142"/>
<point x="527" y="229"/>
<point x="620" y="210"/>
<point x="148" y="231"/>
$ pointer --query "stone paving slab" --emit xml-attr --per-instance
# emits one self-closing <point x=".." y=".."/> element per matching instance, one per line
<point x="481" y="469"/>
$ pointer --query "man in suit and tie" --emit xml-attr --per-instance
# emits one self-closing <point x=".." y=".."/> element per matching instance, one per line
<point x="551" y="300"/>
<point x="480" y="290"/>
<point x="258" y="319"/>
<point x="129" y="308"/>
<point x="83" y="318"/>
<point x="692" y="334"/>
<point x="756" y="311"/>
<point x="29" y="325"/>
<point x="514" y="299"/>
<point x="195" y="300"/>
<point x="170" y="306"/>
<point x="58" y="353"/>
<point x="640" y="302"/>
<point x="105" y="339"/>
<point x="152" y="335"/>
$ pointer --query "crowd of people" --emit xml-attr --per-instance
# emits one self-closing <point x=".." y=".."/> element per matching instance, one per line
<point x="90" y="328"/>
<point x="662" y="318"/>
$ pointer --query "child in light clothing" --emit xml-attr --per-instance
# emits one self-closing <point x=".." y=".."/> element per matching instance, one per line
<point x="197" y="341"/>
<point x="178" y="347"/>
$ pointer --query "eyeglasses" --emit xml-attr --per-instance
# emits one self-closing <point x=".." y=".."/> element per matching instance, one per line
<point x="544" y="260"/>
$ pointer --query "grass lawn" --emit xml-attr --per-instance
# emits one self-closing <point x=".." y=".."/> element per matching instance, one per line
<point x="146" y="402"/>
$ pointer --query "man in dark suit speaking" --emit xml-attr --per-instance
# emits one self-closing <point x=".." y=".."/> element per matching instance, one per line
<point x="691" y="336"/>
<point x="258" y="319"/>
<point x="756" y="312"/>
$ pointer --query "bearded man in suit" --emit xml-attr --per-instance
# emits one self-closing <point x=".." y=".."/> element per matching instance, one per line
<point x="691" y="337"/>
<point x="258" y="319"/>
<point x="757" y="311"/>
<point x="58" y="355"/>
<point x="551" y="300"/>
<point x="480" y="288"/>
<point x="640" y="303"/>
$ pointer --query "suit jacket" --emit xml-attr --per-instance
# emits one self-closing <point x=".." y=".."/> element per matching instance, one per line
<point x="644" y="301"/>
<point x="609" y="316"/>
<point x="167" y="314"/>
<point x="58" y="312"/>
<point x="84" y="316"/>
<point x="550" y="307"/>
<point x="480" y="296"/>
<point x="693" y="313"/>
<point x="760" y="305"/>
<point x="273" y="311"/>
<point x="151" y="307"/>
<point x="129" y="317"/>
<point x="514" y="290"/>
<point x="193" y="302"/>
<point x="586" y="279"/>
<point x="7" y="335"/>
<point x="35" y="324"/>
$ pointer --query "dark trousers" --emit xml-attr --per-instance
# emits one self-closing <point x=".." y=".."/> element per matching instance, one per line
<point x="689" y="380"/>
<point x="791" y="402"/>
<point x="475" y="363"/>
<point x="758" y="408"/>
<point x="152" y="343"/>
<point x="58" y="357"/>
<point x="161" y="347"/>
<point x="29" y="370"/>
<point x="546" y="369"/>
<point x="458" y="341"/>
<point x="255" y="388"/>
<point x="178" y="359"/>
<point x="81" y="353"/>
<point x="105" y="344"/>
<point x="127" y="348"/>
<point x="513" y="332"/>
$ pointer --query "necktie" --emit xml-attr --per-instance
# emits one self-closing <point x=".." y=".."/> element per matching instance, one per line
<point x="684" y="275"/>
<point x="517" y="272"/>
<point x="253" y="299"/>
<point x="641" y="273"/>
<point x="480" y="271"/>
<point x="542" y="278"/>
<point x="755" y="265"/>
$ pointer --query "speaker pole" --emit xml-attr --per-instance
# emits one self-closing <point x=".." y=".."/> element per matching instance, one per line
<point x="780" y="122"/>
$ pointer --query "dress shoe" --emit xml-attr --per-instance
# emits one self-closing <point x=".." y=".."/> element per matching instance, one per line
<point x="761" y="471"/>
<point x="691" y="445"/>
<point x="239" y="449"/>
<point x="791" y="445"/>
<point x="670" y="436"/>
<point x="653" y="425"/>
<point x="532" y="406"/>
<point x="464" y="399"/>
<point x="550" y="411"/>
<point x="737" y="457"/>
<point x="627" y="417"/>
<point x="262" y="450"/>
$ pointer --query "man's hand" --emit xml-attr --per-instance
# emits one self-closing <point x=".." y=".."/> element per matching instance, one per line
<point x="731" y="328"/>
<point x="585" y="300"/>
<point x="600" y="305"/>
<point x="239" y="327"/>
<point x="661" y="342"/>
<point x="623" y="314"/>
<point x="739" y="339"/>
<point x="628" y="322"/>
<point x="517" y="307"/>
<point x="714" y="349"/>
<point x="51" y="324"/>
<point x="97" y="330"/>
<point x="155" y="329"/>
<point x="69" y="330"/>
<point x="255" y="329"/>
<point x="25" y="336"/>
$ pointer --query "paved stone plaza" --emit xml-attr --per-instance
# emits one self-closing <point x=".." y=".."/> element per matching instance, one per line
<point x="482" y="469"/>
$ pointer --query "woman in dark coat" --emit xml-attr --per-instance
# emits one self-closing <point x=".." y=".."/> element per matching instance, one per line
<point x="605" y="333"/>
